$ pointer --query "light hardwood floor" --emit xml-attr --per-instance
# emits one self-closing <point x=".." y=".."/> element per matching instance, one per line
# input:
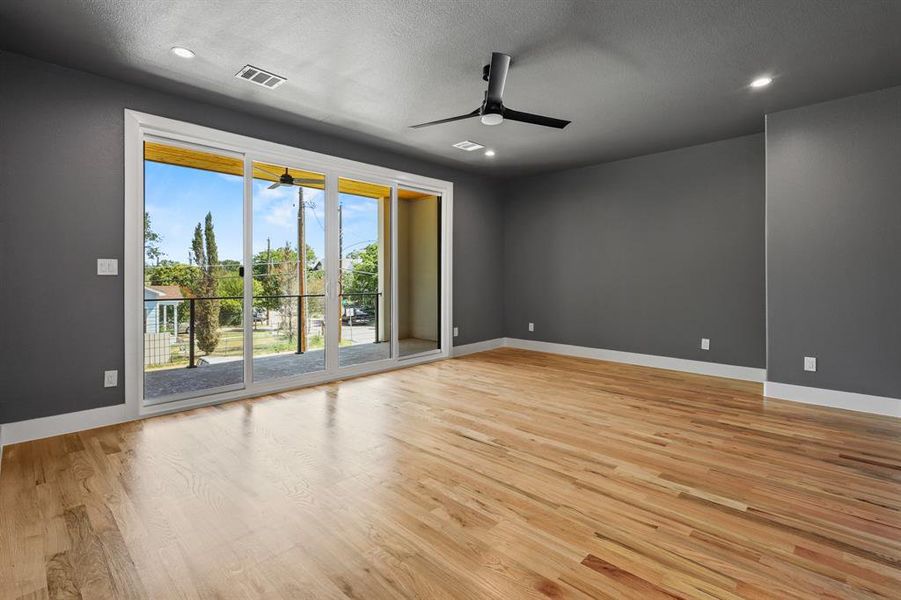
<point x="507" y="474"/>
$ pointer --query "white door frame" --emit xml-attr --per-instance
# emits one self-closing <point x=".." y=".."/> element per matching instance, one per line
<point x="139" y="126"/>
<point x="446" y="267"/>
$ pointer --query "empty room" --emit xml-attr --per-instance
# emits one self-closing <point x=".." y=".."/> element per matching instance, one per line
<point x="450" y="299"/>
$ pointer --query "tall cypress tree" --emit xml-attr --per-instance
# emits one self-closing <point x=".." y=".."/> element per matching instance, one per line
<point x="206" y="256"/>
<point x="212" y="251"/>
<point x="197" y="247"/>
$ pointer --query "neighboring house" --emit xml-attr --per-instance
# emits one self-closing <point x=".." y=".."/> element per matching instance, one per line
<point x="161" y="307"/>
<point x="160" y="310"/>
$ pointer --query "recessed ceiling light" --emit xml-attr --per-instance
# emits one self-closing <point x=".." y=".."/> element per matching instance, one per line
<point x="761" y="82"/>
<point x="489" y="152"/>
<point x="182" y="52"/>
<point x="492" y="119"/>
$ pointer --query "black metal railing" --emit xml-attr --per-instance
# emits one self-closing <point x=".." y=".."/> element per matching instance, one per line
<point x="192" y="314"/>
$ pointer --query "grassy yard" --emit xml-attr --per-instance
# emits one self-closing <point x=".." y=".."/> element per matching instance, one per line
<point x="231" y="343"/>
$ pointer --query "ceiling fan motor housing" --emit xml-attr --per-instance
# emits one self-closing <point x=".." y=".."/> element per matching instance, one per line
<point x="492" y="111"/>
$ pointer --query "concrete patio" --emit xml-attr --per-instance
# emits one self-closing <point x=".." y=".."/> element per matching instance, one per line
<point x="182" y="381"/>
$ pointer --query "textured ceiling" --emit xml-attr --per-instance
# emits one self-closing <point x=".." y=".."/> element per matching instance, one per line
<point x="634" y="76"/>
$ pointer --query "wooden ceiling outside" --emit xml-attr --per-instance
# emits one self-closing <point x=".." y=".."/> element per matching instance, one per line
<point x="208" y="161"/>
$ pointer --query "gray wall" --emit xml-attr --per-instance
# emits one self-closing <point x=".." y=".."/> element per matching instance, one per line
<point x="644" y="255"/>
<point x="61" y="207"/>
<point x="834" y="244"/>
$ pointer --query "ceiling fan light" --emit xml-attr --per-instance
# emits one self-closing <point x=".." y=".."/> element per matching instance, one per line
<point x="492" y="119"/>
<point x="182" y="52"/>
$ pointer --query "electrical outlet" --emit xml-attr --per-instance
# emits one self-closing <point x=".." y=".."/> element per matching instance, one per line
<point x="531" y="326"/>
<point x="810" y="363"/>
<point x="110" y="378"/>
<point x="705" y="343"/>
<point x="456" y="331"/>
<point x="107" y="266"/>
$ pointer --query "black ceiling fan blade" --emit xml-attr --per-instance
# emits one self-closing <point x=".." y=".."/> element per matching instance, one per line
<point x="524" y="117"/>
<point x="497" y="77"/>
<point x="265" y="170"/>
<point x="474" y="113"/>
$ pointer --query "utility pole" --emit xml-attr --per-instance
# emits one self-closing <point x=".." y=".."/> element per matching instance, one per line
<point x="301" y="270"/>
<point x="268" y="275"/>
<point x="340" y="271"/>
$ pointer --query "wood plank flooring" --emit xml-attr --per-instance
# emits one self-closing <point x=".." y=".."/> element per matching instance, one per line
<point x="501" y="475"/>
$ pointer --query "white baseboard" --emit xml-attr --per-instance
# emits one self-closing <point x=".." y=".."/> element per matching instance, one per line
<point x="23" y="431"/>
<point x="821" y="397"/>
<point x="644" y="360"/>
<point x="477" y="347"/>
<point x="879" y="405"/>
<point x="33" y="429"/>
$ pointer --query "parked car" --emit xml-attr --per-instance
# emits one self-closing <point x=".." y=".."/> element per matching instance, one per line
<point x="354" y="315"/>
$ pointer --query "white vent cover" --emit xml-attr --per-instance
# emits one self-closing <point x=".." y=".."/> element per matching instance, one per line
<point x="468" y="145"/>
<point x="260" y="77"/>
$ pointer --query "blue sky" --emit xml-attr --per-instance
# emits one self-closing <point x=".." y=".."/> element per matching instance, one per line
<point x="177" y="198"/>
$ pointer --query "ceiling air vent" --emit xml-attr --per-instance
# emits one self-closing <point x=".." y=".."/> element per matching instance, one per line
<point x="260" y="77"/>
<point x="468" y="146"/>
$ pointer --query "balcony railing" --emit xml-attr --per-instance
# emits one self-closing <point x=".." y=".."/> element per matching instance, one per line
<point x="192" y="304"/>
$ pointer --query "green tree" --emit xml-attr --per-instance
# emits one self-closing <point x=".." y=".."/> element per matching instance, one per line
<point x="233" y="286"/>
<point x="151" y="242"/>
<point x="206" y="258"/>
<point x="170" y="272"/>
<point x="362" y="277"/>
<point x="212" y="251"/>
<point x="276" y="270"/>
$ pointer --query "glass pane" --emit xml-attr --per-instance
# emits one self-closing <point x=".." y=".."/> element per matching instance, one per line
<point x="365" y="265"/>
<point x="288" y="286"/>
<point x="418" y="272"/>
<point x="193" y="290"/>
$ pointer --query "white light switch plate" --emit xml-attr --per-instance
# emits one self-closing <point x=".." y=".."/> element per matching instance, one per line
<point x="810" y="363"/>
<point x="705" y="343"/>
<point x="110" y="378"/>
<point x="456" y="332"/>
<point x="531" y="326"/>
<point x="107" y="266"/>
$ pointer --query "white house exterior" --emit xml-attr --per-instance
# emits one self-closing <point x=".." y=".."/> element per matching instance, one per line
<point x="160" y="311"/>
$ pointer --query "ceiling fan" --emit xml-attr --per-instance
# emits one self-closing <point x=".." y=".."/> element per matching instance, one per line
<point x="286" y="180"/>
<point x="493" y="111"/>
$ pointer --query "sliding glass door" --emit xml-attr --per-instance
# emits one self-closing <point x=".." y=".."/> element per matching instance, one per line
<point x="262" y="270"/>
<point x="193" y="297"/>
<point x="288" y="284"/>
<point x="364" y="295"/>
<point x="419" y="239"/>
